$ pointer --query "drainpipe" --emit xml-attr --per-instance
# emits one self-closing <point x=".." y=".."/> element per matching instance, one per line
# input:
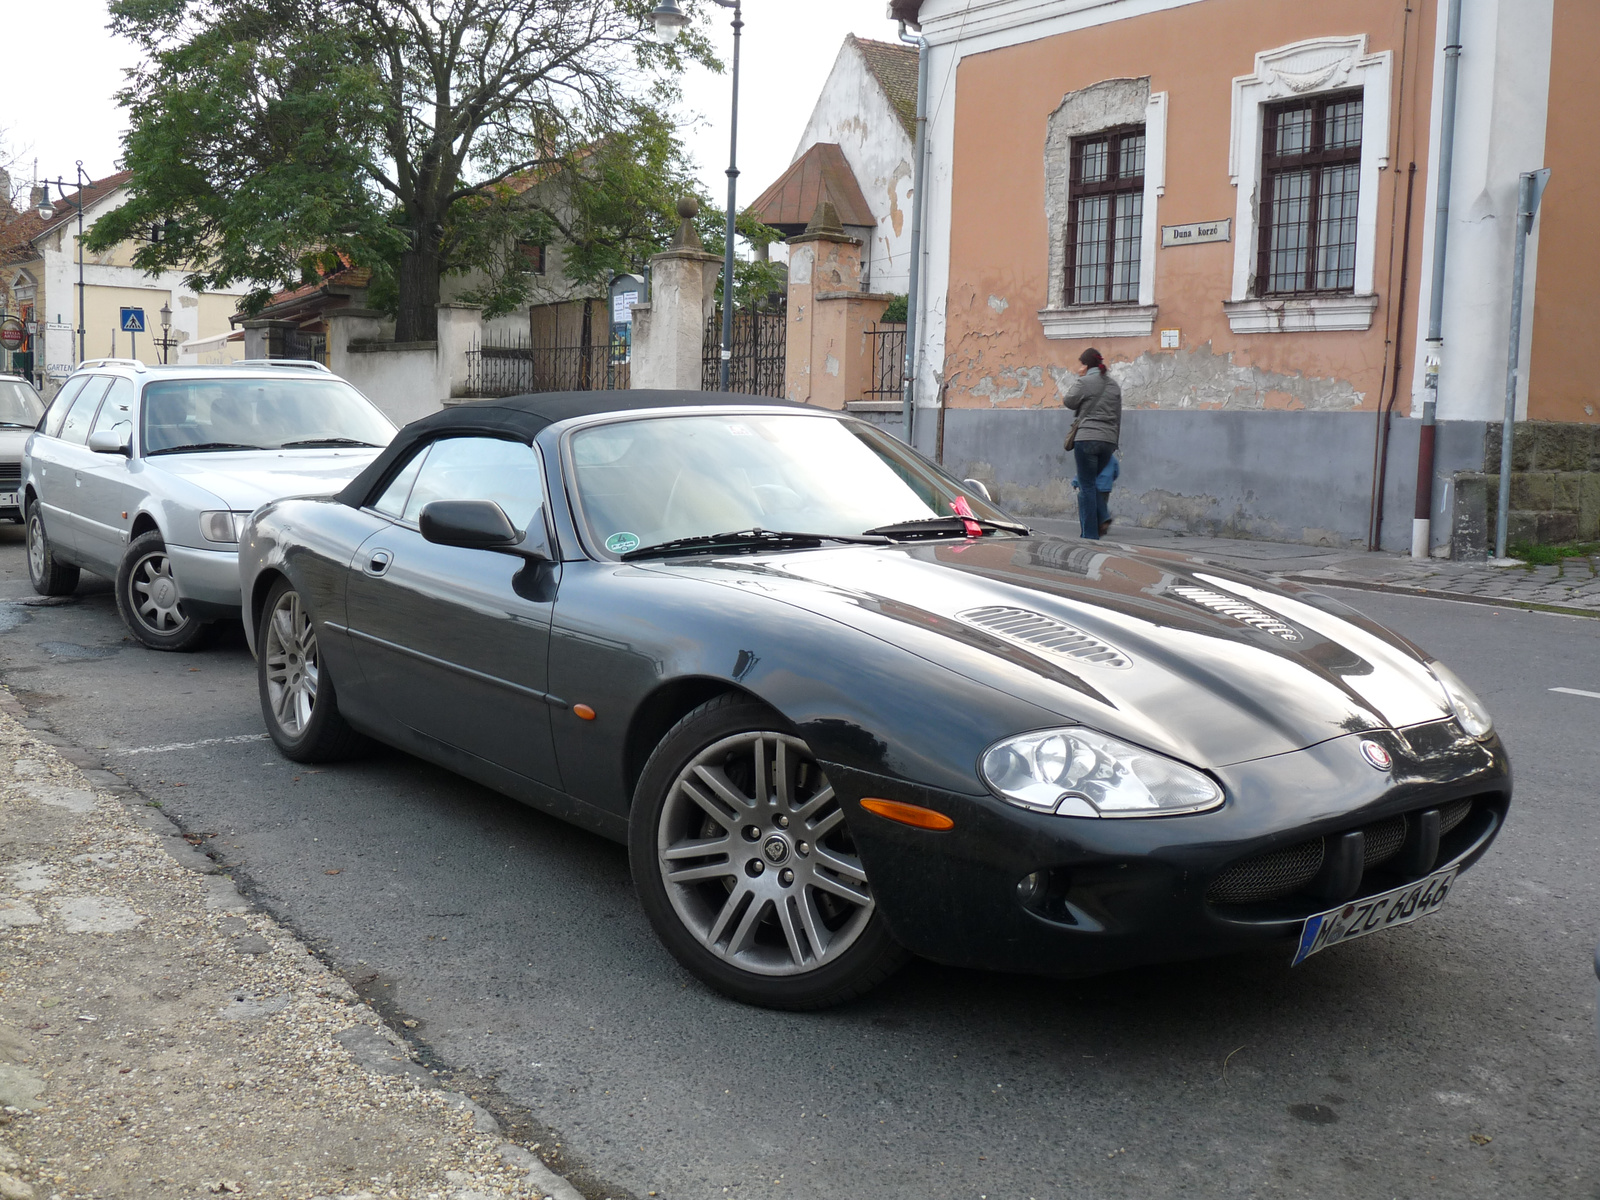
<point x="1422" y="515"/>
<point x="914" y="288"/>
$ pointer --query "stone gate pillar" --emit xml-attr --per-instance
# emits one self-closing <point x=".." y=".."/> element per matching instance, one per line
<point x="669" y="332"/>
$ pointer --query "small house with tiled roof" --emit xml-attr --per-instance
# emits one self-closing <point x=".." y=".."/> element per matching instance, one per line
<point x="856" y="152"/>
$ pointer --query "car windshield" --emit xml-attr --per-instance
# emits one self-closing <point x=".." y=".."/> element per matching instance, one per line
<point x="657" y="479"/>
<point x="19" y="404"/>
<point x="258" y="414"/>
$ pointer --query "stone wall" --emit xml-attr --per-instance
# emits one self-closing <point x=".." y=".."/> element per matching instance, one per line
<point x="1555" y="482"/>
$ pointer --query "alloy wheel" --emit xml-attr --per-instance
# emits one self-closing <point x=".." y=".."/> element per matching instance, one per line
<point x="289" y="653"/>
<point x="154" y="593"/>
<point x="757" y="862"/>
<point x="36" y="563"/>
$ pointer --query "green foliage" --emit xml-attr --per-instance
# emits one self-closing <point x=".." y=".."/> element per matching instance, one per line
<point x="283" y="137"/>
<point x="1549" y="556"/>
<point x="896" y="312"/>
<point x="756" y="281"/>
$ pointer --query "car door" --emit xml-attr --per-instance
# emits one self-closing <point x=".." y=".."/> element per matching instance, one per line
<point x="455" y="642"/>
<point x="59" y="456"/>
<point x="107" y="486"/>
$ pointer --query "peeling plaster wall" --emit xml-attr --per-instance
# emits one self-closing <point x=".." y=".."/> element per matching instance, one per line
<point x="1291" y="476"/>
<point x="853" y="111"/>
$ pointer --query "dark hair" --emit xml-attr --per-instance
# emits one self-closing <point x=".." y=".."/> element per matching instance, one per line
<point x="1091" y="358"/>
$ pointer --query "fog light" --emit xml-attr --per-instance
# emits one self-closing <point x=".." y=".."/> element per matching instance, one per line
<point x="1030" y="888"/>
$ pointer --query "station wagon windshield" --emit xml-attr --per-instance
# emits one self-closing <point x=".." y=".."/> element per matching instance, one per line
<point x="258" y="414"/>
<point x="19" y="405"/>
<point x="645" y="482"/>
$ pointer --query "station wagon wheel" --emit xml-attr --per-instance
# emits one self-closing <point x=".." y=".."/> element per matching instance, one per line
<point x="746" y="868"/>
<point x="148" y="597"/>
<point x="49" y="576"/>
<point x="298" y="702"/>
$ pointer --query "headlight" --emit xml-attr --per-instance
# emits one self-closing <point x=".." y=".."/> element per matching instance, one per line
<point x="1469" y="710"/>
<point x="222" y="526"/>
<point x="1079" y="773"/>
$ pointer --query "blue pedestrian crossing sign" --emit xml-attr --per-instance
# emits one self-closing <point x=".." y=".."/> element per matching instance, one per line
<point x="133" y="320"/>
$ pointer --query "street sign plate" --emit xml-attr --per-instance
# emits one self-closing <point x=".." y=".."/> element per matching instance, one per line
<point x="133" y="320"/>
<point x="1360" y="917"/>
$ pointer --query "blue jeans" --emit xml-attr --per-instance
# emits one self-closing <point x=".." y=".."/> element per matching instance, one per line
<point x="1093" y="510"/>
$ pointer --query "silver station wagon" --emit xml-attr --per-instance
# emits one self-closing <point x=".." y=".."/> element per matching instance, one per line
<point x="145" y="475"/>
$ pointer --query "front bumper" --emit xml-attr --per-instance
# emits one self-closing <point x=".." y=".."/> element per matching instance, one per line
<point x="1122" y="892"/>
<point x="208" y="581"/>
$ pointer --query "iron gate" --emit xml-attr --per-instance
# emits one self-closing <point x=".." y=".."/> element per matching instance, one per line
<point x="757" y="365"/>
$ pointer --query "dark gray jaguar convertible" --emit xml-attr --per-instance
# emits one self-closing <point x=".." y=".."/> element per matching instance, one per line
<point x="842" y="709"/>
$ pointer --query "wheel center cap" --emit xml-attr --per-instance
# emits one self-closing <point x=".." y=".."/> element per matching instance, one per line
<point x="776" y="848"/>
<point x="163" y="593"/>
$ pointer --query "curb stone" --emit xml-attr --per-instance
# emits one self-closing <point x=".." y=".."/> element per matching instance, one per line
<point x="160" y="1037"/>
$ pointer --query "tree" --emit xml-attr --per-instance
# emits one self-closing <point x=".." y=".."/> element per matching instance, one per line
<point x="283" y="136"/>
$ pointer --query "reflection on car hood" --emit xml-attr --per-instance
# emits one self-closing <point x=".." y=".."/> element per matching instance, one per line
<point x="247" y="479"/>
<point x="1207" y="663"/>
<point x="11" y="443"/>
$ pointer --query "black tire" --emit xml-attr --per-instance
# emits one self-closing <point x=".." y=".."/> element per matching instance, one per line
<point x="780" y="925"/>
<point x="147" y="598"/>
<point x="49" y="576"/>
<point x="315" y="732"/>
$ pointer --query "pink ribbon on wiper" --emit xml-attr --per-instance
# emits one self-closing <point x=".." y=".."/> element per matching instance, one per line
<point x="962" y="509"/>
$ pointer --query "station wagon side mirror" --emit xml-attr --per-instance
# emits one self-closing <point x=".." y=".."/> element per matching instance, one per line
<point x="118" y="440"/>
<point x="476" y="525"/>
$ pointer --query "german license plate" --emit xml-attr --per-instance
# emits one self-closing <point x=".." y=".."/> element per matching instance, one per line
<point x="8" y="499"/>
<point x="1375" y="913"/>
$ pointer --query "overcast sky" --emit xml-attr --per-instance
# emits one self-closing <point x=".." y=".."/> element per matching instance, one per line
<point x="56" y="101"/>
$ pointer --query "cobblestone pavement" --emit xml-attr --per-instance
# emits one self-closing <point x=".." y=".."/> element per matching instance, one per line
<point x="160" y="1038"/>
<point x="1572" y="585"/>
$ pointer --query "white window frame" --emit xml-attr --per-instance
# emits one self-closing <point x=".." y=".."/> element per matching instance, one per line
<point x="1076" y="321"/>
<point x="1301" y="69"/>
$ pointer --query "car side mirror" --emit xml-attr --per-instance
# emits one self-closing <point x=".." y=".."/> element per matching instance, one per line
<point x="474" y="525"/>
<point x="111" y="441"/>
<point x="977" y="485"/>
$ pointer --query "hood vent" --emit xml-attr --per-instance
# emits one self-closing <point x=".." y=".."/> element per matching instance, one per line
<point x="1229" y="606"/>
<point x="1039" y="632"/>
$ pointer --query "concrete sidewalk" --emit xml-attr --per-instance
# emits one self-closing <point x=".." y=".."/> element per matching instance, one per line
<point x="1572" y="586"/>
<point x="160" y="1037"/>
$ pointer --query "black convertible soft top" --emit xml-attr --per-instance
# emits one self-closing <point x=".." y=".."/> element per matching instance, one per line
<point x="522" y="417"/>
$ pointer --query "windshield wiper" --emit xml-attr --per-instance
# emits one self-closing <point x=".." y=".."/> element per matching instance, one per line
<point x="332" y="441"/>
<point x="749" y="539"/>
<point x="203" y="446"/>
<point x="17" y="424"/>
<point x="945" y="526"/>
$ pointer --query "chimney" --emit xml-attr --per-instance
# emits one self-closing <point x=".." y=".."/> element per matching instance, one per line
<point x="37" y="195"/>
<point x="5" y="190"/>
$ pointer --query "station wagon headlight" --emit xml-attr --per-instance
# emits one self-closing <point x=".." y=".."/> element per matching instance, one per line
<point x="221" y="526"/>
<point x="1469" y="710"/>
<point x="1080" y="773"/>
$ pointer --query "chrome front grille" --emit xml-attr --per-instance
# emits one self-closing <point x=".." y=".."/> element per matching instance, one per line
<point x="1238" y="610"/>
<point x="10" y="476"/>
<point x="1039" y="632"/>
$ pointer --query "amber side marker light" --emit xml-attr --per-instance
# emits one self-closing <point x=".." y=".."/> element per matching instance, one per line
<point x="584" y="711"/>
<point x="908" y="814"/>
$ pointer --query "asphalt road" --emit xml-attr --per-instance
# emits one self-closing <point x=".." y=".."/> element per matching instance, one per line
<point x="1454" y="1058"/>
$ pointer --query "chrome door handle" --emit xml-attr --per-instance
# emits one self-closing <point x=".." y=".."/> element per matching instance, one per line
<point x="378" y="562"/>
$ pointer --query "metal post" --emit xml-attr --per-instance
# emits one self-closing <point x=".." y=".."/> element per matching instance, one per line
<point x="82" y="352"/>
<point x="1422" y="514"/>
<point x="914" y="285"/>
<point x="1530" y="187"/>
<point x="733" y="189"/>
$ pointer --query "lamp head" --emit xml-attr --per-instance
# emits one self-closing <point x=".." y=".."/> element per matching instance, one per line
<point x="667" y="20"/>
<point x="166" y="315"/>
<point x="46" y="210"/>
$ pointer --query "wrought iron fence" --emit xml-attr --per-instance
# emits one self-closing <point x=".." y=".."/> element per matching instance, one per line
<point x="512" y="366"/>
<point x="299" y="344"/>
<point x="888" y="362"/>
<point x="757" y="365"/>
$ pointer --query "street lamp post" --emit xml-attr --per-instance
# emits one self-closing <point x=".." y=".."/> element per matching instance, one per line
<point x="669" y="19"/>
<point x="46" y="211"/>
<point x="166" y="331"/>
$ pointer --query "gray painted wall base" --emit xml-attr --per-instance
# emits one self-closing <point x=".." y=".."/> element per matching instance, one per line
<point x="1279" y="476"/>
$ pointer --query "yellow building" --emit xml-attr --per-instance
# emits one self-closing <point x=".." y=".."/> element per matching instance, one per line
<point x="40" y="286"/>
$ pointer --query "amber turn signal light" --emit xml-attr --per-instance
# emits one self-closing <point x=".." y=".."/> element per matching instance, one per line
<point x="583" y="711"/>
<point x="908" y="814"/>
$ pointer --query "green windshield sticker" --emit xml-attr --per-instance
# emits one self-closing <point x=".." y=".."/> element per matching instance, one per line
<point x="621" y="543"/>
